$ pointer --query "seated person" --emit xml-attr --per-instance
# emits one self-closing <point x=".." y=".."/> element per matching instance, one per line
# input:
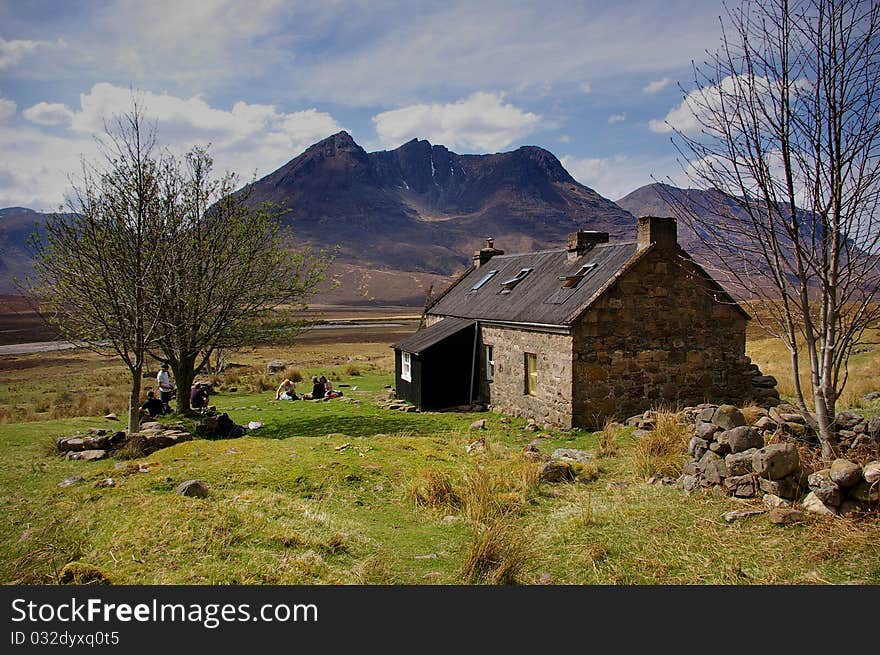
<point x="198" y="397"/>
<point x="328" y="388"/>
<point x="286" y="391"/>
<point x="152" y="406"/>
<point x="318" y="389"/>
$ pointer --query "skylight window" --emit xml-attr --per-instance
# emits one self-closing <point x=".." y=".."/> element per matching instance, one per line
<point x="485" y="279"/>
<point x="507" y="285"/>
<point x="571" y="281"/>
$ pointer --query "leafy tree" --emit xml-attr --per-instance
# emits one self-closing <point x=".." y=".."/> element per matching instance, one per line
<point x="785" y="126"/>
<point x="93" y="265"/>
<point x="224" y="264"/>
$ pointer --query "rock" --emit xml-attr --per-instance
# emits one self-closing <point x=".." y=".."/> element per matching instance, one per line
<point x="556" y="471"/>
<point x="865" y="492"/>
<point x="741" y="486"/>
<point x="825" y="488"/>
<point x="275" y="367"/>
<point x="67" y="444"/>
<point x="741" y="439"/>
<point x="850" y="508"/>
<point x="193" y="489"/>
<point x="692" y="468"/>
<point x="232" y="389"/>
<point x="794" y="429"/>
<point x="478" y="425"/>
<point x="66" y="482"/>
<point x="873" y="429"/>
<point x="742" y="514"/>
<point x="720" y="448"/>
<point x="792" y="417"/>
<point x="847" y="420"/>
<point x="106" y="483"/>
<point x="785" y="516"/>
<point x="740" y="463"/>
<point x="772" y="501"/>
<point x="111" y="417"/>
<point x="765" y="423"/>
<point x="787" y="487"/>
<point x="845" y="473"/>
<point x="715" y="471"/>
<point x="812" y="503"/>
<point x="478" y="446"/>
<point x="689" y="482"/>
<point x="706" y="414"/>
<point x="776" y="461"/>
<point x="871" y="472"/>
<point x="764" y="381"/>
<point x="706" y="430"/>
<point x="639" y="434"/>
<point x="728" y="417"/>
<point x="697" y="447"/>
<point x="87" y="455"/>
<point x="581" y="456"/>
<point x="871" y="395"/>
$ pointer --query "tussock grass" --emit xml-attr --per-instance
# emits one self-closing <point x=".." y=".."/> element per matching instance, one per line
<point x="608" y="438"/>
<point x="663" y="450"/>
<point x="498" y="554"/>
<point x="752" y="412"/>
<point x="433" y="489"/>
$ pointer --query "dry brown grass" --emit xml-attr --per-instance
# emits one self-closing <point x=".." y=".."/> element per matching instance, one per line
<point x="433" y="489"/>
<point x="752" y="412"/>
<point x="498" y="554"/>
<point x="608" y="439"/>
<point x="663" y="450"/>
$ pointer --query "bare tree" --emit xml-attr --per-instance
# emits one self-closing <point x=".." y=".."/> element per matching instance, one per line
<point x="93" y="265"/>
<point x="225" y="264"/>
<point x="785" y="126"/>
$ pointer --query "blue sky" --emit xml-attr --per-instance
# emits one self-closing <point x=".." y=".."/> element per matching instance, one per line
<point x="261" y="80"/>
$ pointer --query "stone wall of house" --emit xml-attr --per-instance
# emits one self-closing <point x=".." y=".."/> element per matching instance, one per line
<point x="507" y="392"/>
<point x="658" y="335"/>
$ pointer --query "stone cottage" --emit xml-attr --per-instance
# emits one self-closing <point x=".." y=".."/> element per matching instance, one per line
<point x="577" y="335"/>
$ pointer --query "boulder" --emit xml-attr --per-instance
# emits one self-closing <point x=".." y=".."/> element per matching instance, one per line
<point x="765" y="423"/>
<point x="741" y="486"/>
<point x="581" y="456"/>
<point x="706" y="414"/>
<point x="705" y="430"/>
<point x="787" y="487"/>
<point x="66" y="482"/>
<point x="67" y="444"/>
<point x="873" y="428"/>
<point x="740" y="463"/>
<point x="785" y="516"/>
<point x="825" y="488"/>
<point x="812" y="504"/>
<point x="715" y="471"/>
<point x="871" y="395"/>
<point x="689" y="482"/>
<point x="764" y="381"/>
<point x="478" y="425"/>
<point x="692" y="468"/>
<point x="776" y="461"/>
<point x="772" y="501"/>
<point x="741" y="438"/>
<point x="845" y="473"/>
<point x="87" y="455"/>
<point x="728" y="417"/>
<point x="742" y="514"/>
<point x="478" y="446"/>
<point x="847" y="420"/>
<point x="865" y="492"/>
<point x="871" y="472"/>
<point x="275" y="367"/>
<point x="193" y="489"/>
<point x="556" y="471"/>
<point x="697" y="447"/>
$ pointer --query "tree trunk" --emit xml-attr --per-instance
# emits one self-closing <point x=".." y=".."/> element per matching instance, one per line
<point x="134" y="402"/>
<point x="184" y="374"/>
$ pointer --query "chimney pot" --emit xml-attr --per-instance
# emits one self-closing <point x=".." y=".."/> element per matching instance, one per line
<point x="488" y="252"/>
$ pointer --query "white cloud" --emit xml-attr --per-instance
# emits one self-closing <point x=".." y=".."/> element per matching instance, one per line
<point x="248" y="139"/>
<point x="12" y="52"/>
<point x="616" y="176"/>
<point x="657" y="85"/>
<point x="564" y="139"/>
<point x="7" y="109"/>
<point x="586" y="87"/>
<point x="481" y="121"/>
<point x="45" y="113"/>
<point x="616" y="118"/>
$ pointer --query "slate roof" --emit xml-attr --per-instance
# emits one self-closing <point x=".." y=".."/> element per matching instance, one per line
<point x="427" y="337"/>
<point x="539" y="297"/>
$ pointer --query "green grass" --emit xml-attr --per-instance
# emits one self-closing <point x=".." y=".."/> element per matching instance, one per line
<point x="402" y="503"/>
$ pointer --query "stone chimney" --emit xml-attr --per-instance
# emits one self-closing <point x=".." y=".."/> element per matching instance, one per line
<point x="583" y="241"/>
<point x="659" y="231"/>
<point x="486" y="253"/>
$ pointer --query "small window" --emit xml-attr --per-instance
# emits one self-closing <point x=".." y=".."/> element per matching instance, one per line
<point x="405" y="367"/>
<point x="531" y="371"/>
<point x="507" y="285"/>
<point x="490" y="363"/>
<point x="485" y="279"/>
<point x="571" y="281"/>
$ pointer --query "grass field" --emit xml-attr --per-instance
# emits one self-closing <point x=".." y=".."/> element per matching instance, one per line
<point x="347" y="492"/>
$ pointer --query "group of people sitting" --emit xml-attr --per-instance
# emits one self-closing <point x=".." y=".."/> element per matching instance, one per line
<point x="154" y="407"/>
<point x="322" y="389"/>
